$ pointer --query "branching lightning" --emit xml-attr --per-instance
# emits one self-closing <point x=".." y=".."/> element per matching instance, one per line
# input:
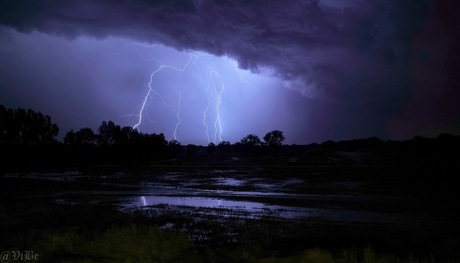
<point x="217" y="90"/>
<point x="211" y="119"/>
<point x="151" y="91"/>
<point x="218" y="121"/>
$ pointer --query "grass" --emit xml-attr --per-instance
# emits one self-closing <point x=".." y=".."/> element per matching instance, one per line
<point x="117" y="244"/>
<point x="151" y="244"/>
<point x="65" y="233"/>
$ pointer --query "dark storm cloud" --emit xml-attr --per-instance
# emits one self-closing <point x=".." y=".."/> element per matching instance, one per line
<point x="305" y="40"/>
<point x="359" y="55"/>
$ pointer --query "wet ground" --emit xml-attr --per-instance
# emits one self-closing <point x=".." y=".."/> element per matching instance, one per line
<point x="227" y="206"/>
<point x="246" y="192"/>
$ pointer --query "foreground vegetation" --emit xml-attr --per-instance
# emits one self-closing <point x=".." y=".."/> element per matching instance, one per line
<point x="144" y="242"/>
<point x="151" y="244"/>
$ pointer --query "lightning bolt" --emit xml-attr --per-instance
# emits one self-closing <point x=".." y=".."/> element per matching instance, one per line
<point x="217" y="91"/>
<point x="151" y="90"/>
<point x="211" y="119"/>
<point x="178" y="115"/>
<point x="218" y="121"/>
<point x="206" y="109"/>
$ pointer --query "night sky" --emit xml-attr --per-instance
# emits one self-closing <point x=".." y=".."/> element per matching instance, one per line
<point x="219" y="69"/>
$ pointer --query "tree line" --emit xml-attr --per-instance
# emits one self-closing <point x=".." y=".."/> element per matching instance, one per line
<point x="110" y="133"/>
<point x="28" y="127"/>
<point x="29" y="139"/>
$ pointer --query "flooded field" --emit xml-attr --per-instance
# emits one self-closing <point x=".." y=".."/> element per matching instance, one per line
<point x="266" y="211"/>
<point x="243" y="192"/>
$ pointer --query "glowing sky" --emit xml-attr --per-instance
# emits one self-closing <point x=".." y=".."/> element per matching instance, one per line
<point x="317" y="70"/>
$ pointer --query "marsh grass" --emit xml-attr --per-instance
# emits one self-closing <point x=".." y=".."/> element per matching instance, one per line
<point x="117" y="244"/>
<point x="152" y="244"/>
<point x="64" y="233"/>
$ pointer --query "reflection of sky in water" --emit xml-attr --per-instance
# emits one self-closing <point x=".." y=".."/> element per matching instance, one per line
<point x="256" y="207"/>
<point x="199" y="202"/>
<point x="210" y="202"/>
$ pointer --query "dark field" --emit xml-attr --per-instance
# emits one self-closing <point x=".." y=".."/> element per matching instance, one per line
<point x="229" y="209"/>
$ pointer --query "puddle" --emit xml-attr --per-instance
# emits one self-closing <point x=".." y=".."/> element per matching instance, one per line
<point x="251" y="209"/>
<point x="195" y="202"/>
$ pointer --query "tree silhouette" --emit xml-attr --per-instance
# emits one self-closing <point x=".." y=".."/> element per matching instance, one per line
<point x="251" y="140"/>
<point x="249" y="144"/>
<point x="84" y="136"/>
<point x="108" y="132"/>
<point x="174" y="143"/>
<point x="125" y="135"/>
<point x="22" y="126"/>
<point x="274" y="138"/>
